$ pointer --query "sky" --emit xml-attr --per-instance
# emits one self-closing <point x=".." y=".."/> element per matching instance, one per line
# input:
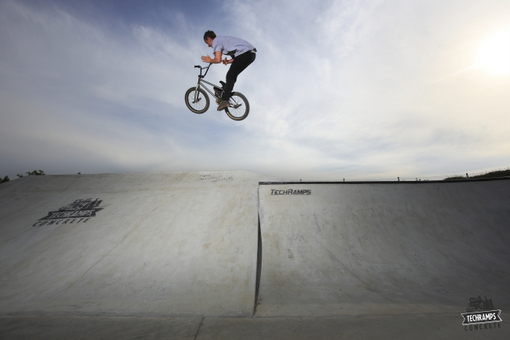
<point x="340" y="89"/>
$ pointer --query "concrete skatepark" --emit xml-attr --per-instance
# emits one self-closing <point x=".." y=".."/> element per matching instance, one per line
<point x="235" y="255"/>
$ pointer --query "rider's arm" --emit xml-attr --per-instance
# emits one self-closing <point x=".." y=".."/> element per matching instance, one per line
<point x="216" y="60"/>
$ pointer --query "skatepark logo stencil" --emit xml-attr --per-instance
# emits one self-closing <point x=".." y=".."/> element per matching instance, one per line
<point x="80" y="211"/>
<point x="216" y="178"/>
<point x="481" y="315"/>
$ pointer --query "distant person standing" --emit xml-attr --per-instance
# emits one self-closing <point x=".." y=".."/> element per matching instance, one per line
<point x="242" y="54"/>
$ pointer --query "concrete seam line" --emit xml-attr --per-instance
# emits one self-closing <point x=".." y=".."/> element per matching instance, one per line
<point x="199" y="326"/>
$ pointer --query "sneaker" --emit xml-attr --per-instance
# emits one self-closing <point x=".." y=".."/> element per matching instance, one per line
<point x="223" y="105"/>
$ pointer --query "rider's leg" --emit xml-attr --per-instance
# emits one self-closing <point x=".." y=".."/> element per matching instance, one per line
<point x="239" y="64"/>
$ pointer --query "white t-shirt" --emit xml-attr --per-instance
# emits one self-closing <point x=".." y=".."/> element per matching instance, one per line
<point x="231" y="46"/>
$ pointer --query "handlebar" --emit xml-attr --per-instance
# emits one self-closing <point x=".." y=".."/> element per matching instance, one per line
<point x="202" y="68"/>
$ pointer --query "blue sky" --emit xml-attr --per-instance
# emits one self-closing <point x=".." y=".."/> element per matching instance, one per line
<point x="339" y="89"/>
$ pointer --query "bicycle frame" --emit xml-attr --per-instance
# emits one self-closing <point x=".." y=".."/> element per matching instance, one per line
<point x="201" y="80"/>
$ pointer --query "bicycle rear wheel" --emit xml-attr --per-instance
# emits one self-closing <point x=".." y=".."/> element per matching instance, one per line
<point x="196" y="100"/>
<point x="238" y="107"/>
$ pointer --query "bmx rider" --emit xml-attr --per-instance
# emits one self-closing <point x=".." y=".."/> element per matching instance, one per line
<point x="242" y="54"/>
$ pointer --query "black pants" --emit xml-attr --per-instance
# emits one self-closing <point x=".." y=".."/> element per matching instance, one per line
<point x="238" y="65"/>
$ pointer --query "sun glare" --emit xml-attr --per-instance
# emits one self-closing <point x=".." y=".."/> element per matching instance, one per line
<point x="494" y="54"/>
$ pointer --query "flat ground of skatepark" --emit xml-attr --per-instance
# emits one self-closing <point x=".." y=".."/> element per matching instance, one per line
<point x="235" y="255"/>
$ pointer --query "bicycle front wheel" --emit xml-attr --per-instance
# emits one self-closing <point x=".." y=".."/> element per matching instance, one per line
<point x="238" y="106"/>
<point x="196" y="100"/>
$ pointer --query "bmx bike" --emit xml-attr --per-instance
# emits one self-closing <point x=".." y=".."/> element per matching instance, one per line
<point x="197" y="100"/>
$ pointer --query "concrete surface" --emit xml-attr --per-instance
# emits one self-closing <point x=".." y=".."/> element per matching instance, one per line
<point x="230" y="256"/>
<point x="415" y="326"/>
<point x="383" y="248"/>
<point x="177" y="244"/>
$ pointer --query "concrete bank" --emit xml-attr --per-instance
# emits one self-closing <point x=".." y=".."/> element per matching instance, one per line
<point x="230" y="255"/>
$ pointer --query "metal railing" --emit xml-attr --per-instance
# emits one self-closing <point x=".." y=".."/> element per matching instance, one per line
<point x="465" y="176"/>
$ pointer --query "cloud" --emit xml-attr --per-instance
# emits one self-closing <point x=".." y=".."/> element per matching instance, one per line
<point x="339" y="89"/>
<point x="78" y="89"/>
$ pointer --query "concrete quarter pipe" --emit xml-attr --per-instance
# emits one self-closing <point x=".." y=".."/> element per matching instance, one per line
<point x="379" y="248"/>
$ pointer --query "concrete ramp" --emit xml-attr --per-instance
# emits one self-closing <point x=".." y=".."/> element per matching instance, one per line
<point x="226" y="256"/>
<point x="129" y="244"/>
<point x="383" y="248"/>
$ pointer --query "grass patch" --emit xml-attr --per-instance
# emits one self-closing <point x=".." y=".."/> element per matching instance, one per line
<point x="492" y="174"/>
